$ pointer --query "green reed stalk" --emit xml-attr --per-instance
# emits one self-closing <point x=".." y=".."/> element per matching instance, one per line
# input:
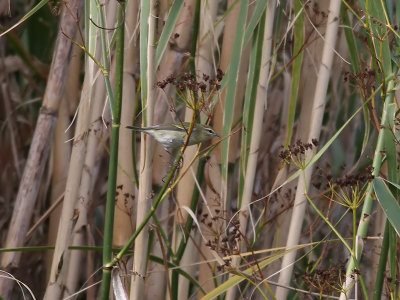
<point x="113" y="164"/>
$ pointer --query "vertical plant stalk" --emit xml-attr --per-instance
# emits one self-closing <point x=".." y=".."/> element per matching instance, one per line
<point x="296" y="70"/>
<point x="318" y="108"/>
<point x="113" y="164"/>
<point x="125" y="205"/>
<point x="260" y="108"/>
<point x="61" y="152"/>
<point x="96" y="133"/>
<point x="147" y="60"/>
<point x="380" y="274"/>
<point x="250" y="100"/>
<point x="40" y="146"/>
<point x="232" y="57"/>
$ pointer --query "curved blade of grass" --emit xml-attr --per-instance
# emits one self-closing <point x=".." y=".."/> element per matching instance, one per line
<point x="26" y="17"/>
<point x="388" y="202"/>
<point x="167" y="30"/>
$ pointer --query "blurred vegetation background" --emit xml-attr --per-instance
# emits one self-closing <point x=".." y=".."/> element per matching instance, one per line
<point x="298" y="198"/>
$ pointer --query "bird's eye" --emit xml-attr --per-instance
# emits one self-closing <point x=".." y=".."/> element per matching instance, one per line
<point x="210" y="131"/>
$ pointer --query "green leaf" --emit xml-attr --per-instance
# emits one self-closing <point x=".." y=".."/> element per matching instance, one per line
<point x="255" y="20"/>
<point x="388" y="203"/>
<point x="232" y="78"/>
<point x="250" y="101"/>
<point x="167" y="30"/>
<point x="296" y="71"/>
<point x="26" y="17"/>
<point x="144" y="35"/>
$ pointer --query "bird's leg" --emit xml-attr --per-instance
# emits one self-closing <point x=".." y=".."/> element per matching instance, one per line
<point x="173" y="152"/>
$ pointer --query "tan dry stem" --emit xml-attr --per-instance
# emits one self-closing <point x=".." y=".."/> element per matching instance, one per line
<point x="125" y="200"/>
<point x="61" y="155"/>
<point x="94" y="153"/>
<point x="146" y="164"/>
<point x="61" y="152"/>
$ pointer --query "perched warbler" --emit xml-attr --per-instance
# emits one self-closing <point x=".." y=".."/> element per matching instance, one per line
<point x="174" y="135"/>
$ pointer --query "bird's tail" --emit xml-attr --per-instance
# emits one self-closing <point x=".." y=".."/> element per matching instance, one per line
<point x="134" y="128"/>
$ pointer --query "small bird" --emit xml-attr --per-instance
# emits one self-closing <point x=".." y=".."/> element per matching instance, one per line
<point x="174" y="135"/>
